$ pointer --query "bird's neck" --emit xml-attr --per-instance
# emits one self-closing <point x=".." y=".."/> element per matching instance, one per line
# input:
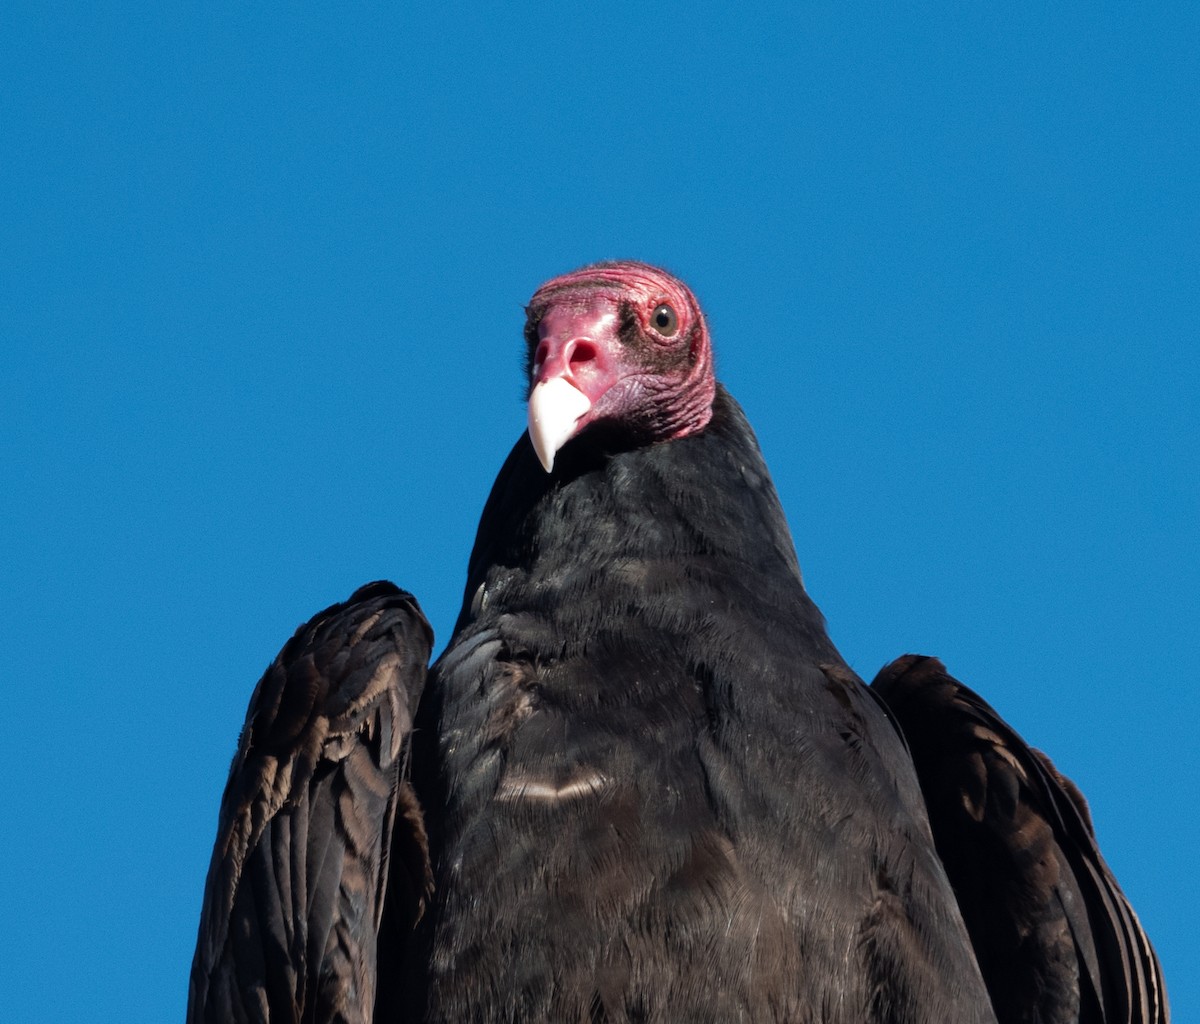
<point x="627" y="522"/>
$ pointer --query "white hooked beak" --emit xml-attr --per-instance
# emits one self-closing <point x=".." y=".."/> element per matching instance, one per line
<point x="555" y="406"/>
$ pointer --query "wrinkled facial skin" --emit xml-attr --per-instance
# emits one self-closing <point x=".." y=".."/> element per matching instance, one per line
<point x="632" y="341"/>
<point x="620" y="306"/>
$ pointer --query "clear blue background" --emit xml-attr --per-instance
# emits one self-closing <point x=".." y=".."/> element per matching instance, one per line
<point x="261" y="278"/>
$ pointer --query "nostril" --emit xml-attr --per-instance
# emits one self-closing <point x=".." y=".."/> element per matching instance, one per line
<point x="581" y="352"/>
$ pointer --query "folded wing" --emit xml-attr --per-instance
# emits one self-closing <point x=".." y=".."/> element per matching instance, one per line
<point x="315" y="809"/>
<point x="1055" y="937"/>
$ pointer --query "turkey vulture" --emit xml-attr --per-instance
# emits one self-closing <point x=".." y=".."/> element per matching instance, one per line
<point x="641" y="784"/>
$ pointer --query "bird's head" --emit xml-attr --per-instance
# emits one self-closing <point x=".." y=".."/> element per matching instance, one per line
<point x="622" y="344"/>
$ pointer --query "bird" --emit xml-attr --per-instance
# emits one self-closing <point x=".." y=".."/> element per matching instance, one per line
<point x="641" y="783"/>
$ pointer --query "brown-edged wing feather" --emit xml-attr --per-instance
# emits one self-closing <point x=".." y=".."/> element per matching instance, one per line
<point x="1055" y="937"/>
<point x="308" y="822"/>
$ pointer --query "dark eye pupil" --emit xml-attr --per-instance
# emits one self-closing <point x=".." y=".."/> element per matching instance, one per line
<point x="664" y="321"/>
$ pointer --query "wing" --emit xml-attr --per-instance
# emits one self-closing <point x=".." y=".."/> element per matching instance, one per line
<point x="1055" y="937"/>
<point x="315" y="808"/>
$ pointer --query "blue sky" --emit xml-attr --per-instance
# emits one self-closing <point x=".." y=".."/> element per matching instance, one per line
<point x="261" y="278"/>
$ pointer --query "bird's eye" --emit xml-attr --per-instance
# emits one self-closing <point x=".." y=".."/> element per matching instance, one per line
<point x="664" y="320"/>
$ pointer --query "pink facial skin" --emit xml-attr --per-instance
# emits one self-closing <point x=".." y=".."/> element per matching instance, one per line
<point x="632" y="340"/>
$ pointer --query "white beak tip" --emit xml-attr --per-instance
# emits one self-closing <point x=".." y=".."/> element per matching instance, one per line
<point x="555" y="406"/>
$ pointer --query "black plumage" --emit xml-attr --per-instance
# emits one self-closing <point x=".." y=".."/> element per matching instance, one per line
<point x="295" y="891"/>
<point x="1055" y="937"/>
<point x="656" y="787"/>
<point x="644" y="785"/>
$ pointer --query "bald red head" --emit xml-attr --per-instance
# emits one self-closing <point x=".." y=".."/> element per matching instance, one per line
<point x="622" y="343"/>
